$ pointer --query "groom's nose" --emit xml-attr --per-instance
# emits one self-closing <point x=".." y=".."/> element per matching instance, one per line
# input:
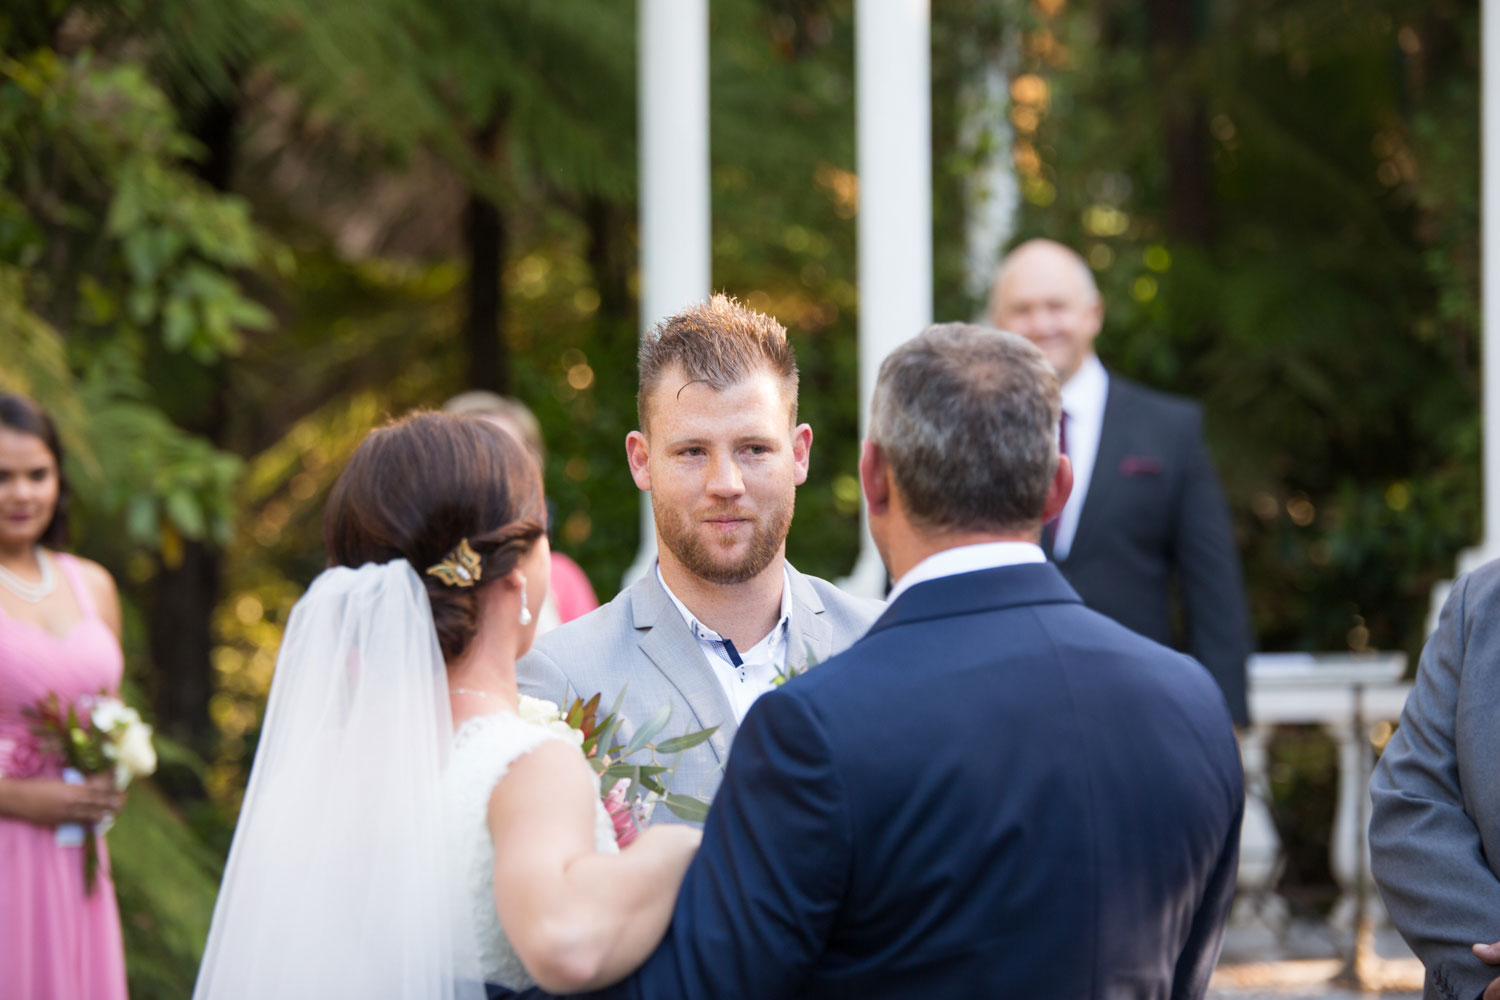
<point x="724" y="479"/>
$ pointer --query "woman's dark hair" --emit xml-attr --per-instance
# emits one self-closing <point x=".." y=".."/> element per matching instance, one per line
<point x="417" y="487"/>
<point x="22" y="415"/>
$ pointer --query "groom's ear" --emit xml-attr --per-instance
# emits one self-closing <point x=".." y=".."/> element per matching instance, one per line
<point x="638" y="454"/>
<point x="801" y="452"/>
<point x="874" y="478"/>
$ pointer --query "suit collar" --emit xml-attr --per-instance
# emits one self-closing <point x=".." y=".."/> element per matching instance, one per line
<point x="666" y="640"/>
<point x="1025" y="585"/>
<point x="648" y="598"/>
<point x="809" y="624"/>
<point x="1106" y="459"/>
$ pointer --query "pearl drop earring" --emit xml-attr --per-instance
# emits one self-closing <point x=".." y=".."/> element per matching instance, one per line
<point x="525" y="611"/>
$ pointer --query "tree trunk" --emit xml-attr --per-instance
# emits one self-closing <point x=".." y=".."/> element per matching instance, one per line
<point x="183" y="597"/>
<point x="180" y="628"/>
<point x="485" y="233"/>
<point x="609" y="257"/>
<point x="1172" y="36"/>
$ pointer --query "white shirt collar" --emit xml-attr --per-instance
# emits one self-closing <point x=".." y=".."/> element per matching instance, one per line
<point x="703" y="633"/>
<point x="967" y="559"/>
<point x="1084" y="394"/>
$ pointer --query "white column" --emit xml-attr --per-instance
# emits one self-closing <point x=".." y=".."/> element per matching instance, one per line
<point x="991" y="194"/>
<point x="893" y="119"/>
<point x="675" y="254"/>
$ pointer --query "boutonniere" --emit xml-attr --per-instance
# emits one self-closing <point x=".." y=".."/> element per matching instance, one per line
<point x="784" y="675"/>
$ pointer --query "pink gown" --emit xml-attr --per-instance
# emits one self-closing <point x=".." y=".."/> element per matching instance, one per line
<point x="56" y="942"/>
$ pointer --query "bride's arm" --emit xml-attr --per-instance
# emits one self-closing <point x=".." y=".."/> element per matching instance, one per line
<point x="577" y="919"/>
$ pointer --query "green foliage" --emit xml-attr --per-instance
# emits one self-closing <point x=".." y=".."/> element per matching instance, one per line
<point x="105" y="235"/>
<point x="1321" y="296"/>
<point x="166" y="881"/>
<point x="1329" y="319"/>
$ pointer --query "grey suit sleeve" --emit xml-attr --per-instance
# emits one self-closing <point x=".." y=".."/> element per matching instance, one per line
<point x="1215" y="612"/>
<point x="1424" y="849"/>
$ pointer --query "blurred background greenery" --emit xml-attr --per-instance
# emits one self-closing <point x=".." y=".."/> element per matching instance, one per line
<point x="235" y="235"/>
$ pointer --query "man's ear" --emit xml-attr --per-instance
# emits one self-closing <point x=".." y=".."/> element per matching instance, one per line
<point x="1058" y="490"/>
<point x="875" y="479"/>
<point x="801" y="452"/>
<point x="638" y="454"/>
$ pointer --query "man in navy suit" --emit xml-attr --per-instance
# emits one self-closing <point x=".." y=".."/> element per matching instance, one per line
<point x="1146" y="526"/>
<point x="996" y="792"/>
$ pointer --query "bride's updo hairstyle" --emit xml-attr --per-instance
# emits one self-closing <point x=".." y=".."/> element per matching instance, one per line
<point x="417" y="487"/>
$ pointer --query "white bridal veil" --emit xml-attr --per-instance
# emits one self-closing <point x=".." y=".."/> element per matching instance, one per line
<point x="337" y="883"/>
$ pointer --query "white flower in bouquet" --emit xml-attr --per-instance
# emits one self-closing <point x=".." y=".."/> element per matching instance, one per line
<point x="560" y="728"/>
<point x="111" y="712"/>
<point x="127" y="740"/>
<point x="135" y="757"/>
<point x="538" y="710"/>
<point x="546" y="713"/>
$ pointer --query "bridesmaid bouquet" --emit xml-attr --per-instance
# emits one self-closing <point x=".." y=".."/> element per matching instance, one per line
<point x="97" y="735"/>
<point x="632" y="777"/>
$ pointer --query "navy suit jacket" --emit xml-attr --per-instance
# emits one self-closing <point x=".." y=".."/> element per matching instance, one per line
<point x="1154" y="527"/>
<point x="996" y="792"/>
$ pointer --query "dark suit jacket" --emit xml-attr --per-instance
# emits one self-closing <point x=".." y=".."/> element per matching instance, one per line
<point x="995" y="793"/>
<point x="1154" y="521"/>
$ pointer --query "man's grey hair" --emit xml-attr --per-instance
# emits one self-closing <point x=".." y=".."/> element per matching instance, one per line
<point x="967" y="419"/>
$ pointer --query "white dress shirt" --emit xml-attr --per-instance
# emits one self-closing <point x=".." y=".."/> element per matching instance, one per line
<point x="756" y="673"/>
<point x="967" y="559"/>
<point x="1083" y="398"/>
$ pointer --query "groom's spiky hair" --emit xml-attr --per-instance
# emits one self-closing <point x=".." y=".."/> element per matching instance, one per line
<point x="720" y="342"/>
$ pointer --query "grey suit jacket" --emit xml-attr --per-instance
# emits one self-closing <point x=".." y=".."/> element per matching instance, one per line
<point x="1435" y="822"/>
<point x="640" y="644"/>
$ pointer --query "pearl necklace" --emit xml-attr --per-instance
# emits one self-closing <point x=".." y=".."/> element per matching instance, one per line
<point x="27" y="591"/>
<point x="482" y="694"/>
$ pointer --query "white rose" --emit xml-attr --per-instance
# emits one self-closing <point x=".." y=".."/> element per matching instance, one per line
<point x="135" y="755"/>
<point x="109" y="713"/>
<point x="538" y="709"/>
<point x="567" y="732"/>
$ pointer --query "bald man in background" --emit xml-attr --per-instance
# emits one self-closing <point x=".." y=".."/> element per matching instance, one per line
<point x="1145" y="537"/>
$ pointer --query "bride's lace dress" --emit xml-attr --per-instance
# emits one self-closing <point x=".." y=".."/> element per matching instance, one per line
<point x="483" y="749"/>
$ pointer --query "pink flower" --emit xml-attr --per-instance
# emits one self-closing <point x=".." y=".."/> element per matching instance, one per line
<point x="20" y="757"/>
<point x="618" y="807"/>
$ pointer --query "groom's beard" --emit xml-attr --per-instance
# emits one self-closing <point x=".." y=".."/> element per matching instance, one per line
<point x="712" y="559"/>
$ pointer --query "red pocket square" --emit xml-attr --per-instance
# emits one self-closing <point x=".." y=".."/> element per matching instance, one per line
<point x="1140" y="465"/>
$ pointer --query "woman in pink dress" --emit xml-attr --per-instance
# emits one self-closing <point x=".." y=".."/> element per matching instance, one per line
<point x="59" y="634"/>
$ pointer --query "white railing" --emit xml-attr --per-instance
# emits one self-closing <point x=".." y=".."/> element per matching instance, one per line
<point x="1345" y="693"/>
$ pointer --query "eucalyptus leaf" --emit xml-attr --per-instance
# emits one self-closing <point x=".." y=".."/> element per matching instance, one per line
<point x="677" y="744"/>
<point x="648" y="732"/>
<point x="686" y="807"/>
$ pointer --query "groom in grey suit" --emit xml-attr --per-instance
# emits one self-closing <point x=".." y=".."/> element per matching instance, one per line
<point x="722" y="615"/>
<point x="1435" y="823"/>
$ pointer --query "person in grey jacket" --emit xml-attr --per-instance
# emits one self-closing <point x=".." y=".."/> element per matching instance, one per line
<point x="722" y="617"/>
<point x="1435" y="819"/>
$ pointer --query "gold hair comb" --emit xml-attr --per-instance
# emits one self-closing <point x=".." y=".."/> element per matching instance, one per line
<point x="459" y="568"/>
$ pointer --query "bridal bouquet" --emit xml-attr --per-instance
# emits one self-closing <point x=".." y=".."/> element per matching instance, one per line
<point x="633" y="777"/>
<point x="97" y="735"/>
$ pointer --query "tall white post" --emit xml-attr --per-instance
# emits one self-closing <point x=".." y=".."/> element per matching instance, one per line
<point x="893" y="117"/>
<point x="675" y="255"/>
